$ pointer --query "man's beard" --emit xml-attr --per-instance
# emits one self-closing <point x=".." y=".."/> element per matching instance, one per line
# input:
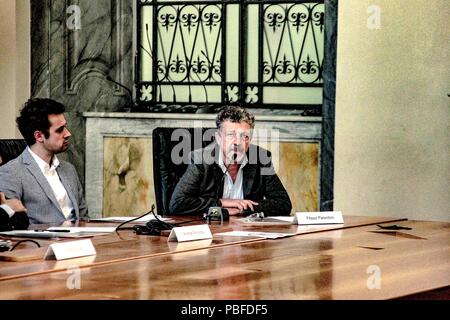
<point x="235" y="156"/>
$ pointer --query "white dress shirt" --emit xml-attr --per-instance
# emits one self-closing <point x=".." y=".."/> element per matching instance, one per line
<point x="232" y="190"/>
<point x="52" y="177"/>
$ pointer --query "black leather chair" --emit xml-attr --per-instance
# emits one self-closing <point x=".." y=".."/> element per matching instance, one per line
<point x="10" y="149"/>
<point x="168" y="168"/>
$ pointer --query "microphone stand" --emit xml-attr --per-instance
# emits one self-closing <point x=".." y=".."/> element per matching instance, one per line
<point x="218" y="213"/>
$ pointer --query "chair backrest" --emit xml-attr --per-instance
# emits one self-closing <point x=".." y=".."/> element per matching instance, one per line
<point x="10" y="149"/>
<point x="171" y="147"/>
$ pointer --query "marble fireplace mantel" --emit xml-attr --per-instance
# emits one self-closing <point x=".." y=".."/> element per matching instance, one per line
<point x="136" y="125"/>
<point x="195" y="116"/>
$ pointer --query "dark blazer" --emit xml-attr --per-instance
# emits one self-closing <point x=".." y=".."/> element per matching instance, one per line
<point x="18" y="221"/>
<point x="4" y="217"/>
<point x="22" y="179"/>
<point x="202" y="184"/>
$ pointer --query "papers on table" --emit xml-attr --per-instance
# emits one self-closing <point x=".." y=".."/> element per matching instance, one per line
<point x="265" y="235"/>
<point x="46" y="234"/>
<point x="268" y="220"/>
<point x="123" y="219"/>
<point x="83" y="229"/>
<point x="60" y="232"/>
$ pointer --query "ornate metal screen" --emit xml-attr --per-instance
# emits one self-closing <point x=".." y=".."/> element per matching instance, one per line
<point x="193" y="54"/>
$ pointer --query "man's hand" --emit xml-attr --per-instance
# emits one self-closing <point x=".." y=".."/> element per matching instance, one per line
<point x="14" y="204"/>
<point x="233" y="211"/>
<point x="238" y="204"/>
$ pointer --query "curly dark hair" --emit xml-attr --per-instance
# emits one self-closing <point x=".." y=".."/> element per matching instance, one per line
<point x="235" y="114"/>
<point x="34" y="117"/>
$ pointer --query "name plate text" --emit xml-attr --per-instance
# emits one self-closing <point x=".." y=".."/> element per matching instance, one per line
<point x="322" y="217"/>
<point x="198" y="232"/>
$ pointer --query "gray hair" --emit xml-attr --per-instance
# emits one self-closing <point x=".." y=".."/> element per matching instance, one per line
<point x="235" y="114"/>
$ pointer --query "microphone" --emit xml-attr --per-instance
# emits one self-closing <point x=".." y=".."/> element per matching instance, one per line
<point x="233" y="158"/>
<point x="130" y="94"/>
<point x="219" y="213"/>
<point x="245" y="212"/>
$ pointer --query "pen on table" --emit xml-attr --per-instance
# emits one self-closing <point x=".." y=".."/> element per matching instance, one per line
<point x="56" y="230"/>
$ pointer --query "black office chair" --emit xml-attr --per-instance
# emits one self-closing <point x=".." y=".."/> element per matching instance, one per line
<point x="10" y="149"/>
<point x="168" y="169"/>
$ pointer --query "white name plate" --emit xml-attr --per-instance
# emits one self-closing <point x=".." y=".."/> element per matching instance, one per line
<point x="322" y="217"/>
<point x="190" y="233"/>
<point x="189" y="245"/>
<point x="71" y="249"/>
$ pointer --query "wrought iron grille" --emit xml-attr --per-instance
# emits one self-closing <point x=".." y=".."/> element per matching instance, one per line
<point x="194" y="54"/>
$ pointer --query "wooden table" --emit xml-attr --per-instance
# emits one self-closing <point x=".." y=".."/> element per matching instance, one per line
<point x="126" y="245"/>
<point x="350" y="263"/>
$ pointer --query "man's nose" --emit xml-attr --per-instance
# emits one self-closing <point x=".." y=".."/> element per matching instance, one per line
<point x="68" y="134"/>
<point x="238" y="146"/>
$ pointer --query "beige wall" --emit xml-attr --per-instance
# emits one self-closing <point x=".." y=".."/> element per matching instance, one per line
<point x="14" y="62"/>
<point x="392" y="110"/>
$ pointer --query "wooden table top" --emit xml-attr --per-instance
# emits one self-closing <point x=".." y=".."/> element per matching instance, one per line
<point x="350" y="263"/>
<point x="126" y="245"/>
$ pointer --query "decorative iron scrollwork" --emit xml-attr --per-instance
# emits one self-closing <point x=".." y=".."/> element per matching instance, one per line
<point x="251" y="94"/>
<point x="193" y="28"/>
<point x="146" y="93"/>
<point x="232" y="94"/>
<point x="191" y="59"/>
<point x="287" y="28"/>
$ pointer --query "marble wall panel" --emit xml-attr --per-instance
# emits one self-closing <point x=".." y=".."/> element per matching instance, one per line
<point x="127" y="176"/>
<point x="328" y="106"/>
<point x="299" y="172"/>
<point x="72" y="65"/>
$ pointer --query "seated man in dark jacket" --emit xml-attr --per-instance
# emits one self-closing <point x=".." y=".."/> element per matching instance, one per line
<point x="231" y="173"/>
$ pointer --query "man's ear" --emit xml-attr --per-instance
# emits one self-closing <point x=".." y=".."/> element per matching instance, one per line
<point x="39" y="136"/>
